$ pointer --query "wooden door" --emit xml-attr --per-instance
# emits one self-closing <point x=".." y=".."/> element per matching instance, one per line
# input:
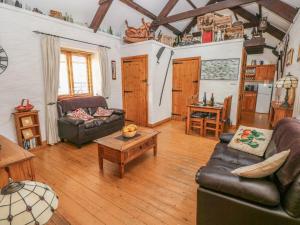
<point x="241" y="86"/>
<point x="135" y="89"/>
<point x="186" y="73"/>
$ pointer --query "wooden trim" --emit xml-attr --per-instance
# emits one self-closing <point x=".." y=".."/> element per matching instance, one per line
<point x="159" y="122"/>
<point x="100" y="14"/>
<point x="147" y="78"/>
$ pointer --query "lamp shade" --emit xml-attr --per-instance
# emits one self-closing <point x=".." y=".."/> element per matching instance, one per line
<point x="27" y="202"/>
<point x="288" y="81"/>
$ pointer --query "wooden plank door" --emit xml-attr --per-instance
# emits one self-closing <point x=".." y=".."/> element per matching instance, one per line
<point x="135" y="89"/>
<point x="186" y="74"/>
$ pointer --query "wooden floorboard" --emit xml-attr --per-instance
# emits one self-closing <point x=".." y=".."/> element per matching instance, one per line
<point x="155" y="190"/>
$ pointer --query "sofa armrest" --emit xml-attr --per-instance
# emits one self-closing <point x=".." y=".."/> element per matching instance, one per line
<point x="261" y="191"/>
<point x="118" y="111"/>
<point x="226" y="137"/>
<point x="70" y="121"/>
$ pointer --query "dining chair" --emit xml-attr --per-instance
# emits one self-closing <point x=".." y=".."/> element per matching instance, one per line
<point x="210" y="122"/>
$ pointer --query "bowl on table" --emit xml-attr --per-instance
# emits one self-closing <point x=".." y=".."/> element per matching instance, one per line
<point x="129" y="131"/>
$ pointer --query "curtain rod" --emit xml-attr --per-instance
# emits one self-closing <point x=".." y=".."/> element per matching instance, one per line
<point x="71" y="39"/>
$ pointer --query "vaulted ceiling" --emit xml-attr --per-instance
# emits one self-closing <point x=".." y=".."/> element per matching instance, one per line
<point x="116" y="11"/>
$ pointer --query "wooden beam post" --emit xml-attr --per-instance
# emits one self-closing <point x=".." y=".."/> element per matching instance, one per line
<point x="204" y="10"/>
<point x="100" y="14"/>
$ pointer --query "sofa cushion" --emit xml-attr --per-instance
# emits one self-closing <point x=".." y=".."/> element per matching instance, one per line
<point x="226" y="137"/>
<point x="93" y="123"/>
<point x="217" y="177"/>
<point x="101" y="112"/>
<point x="251" y="140"/>
<point x="80" y="114"/>
<point x="263" y="169"/>
<point x="271" y="149"/>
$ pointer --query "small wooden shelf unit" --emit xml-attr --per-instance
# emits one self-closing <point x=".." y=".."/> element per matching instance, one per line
<point x="35" y="140"/>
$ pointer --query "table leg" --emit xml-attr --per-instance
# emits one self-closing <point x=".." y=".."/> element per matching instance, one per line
<point x="121" y="169"/>
<point x="155" y="146"/>
<point x="100" y="157"/>
<point x="217" y="124"/>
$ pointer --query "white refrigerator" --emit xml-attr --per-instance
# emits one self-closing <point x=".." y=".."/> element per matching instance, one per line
<point x="264" y="95"/>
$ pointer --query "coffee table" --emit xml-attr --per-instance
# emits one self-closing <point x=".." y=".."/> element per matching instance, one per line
<point x="117" y="149"/>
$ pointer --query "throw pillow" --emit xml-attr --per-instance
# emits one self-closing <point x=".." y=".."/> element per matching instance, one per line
<point x="80" y="114"/>
<point x="101" y="112"/>
<point x="251" y="140"/>
<point x="263" y="169"/>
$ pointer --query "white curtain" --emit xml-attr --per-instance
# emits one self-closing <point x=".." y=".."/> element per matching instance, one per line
<point x="51" y="63"/>
<point x="105" y="72"/>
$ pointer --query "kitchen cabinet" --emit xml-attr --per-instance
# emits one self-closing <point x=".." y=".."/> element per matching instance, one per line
<point x="265" y="72"/>
<point x="249" y="101"/>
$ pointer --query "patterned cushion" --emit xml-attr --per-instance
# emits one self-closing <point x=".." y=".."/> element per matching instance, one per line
<point x="101" y="112"/>
<point x="251" y="140"/>
<point x="80" y="114"/>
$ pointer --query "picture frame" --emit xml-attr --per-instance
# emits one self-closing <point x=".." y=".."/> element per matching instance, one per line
<point x="298" y="57"/>
<point x="26" y="121"/>
<point x="290" y="57"/>
<point x="27" y="133"/>
<point x="114" y="69"/>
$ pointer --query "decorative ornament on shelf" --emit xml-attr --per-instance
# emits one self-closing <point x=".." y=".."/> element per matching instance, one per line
<point x="27" y="202"/>
<point x="25" y="106"/>
<point x="263" y="24"/>
<point x="142" y="33"/>
<point x="3" y="60"/>
<point x="289" y="81"/>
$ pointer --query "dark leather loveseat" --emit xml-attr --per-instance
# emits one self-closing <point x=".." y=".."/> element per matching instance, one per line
<point x="225" y="199"/>
<point x="79" y="131"/>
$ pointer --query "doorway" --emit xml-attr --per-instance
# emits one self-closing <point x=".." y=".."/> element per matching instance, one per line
<point x="186" y="75"/>
<point x="135" y="89"/>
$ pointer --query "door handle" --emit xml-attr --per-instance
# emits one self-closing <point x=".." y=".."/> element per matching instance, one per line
<point x="174" y="90"/>
<point x="145" y="81"/>
<point x="195" y="81"/>
<point x="128" y="91"/>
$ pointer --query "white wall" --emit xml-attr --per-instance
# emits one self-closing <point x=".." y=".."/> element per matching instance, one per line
<point x="23" y="77"/>
<point x="294" y="69"/>
<point x="220" y="88"/>
<point x="156" y="74"/>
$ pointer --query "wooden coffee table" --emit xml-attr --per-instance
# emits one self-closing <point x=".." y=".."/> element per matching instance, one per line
<point x="117" y="149"/>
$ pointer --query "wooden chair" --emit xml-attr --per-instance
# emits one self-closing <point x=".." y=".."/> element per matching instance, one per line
<point x="210" y="123"/>
<point x="196" y="118"/>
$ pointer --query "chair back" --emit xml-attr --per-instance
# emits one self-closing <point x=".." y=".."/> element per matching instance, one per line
<point x="227" y="108"/>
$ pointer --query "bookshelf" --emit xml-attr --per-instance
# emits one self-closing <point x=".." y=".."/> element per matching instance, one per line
<point x="28" y="129"/>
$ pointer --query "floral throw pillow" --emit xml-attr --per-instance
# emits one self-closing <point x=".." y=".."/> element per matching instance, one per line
<point x="80" y="114"/>
<point x="251" y="140"/>
<point x="101" y="112"/>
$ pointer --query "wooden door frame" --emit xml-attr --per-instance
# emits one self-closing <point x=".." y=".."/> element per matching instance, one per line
<point x="198" y="58"/>
<point x="147" y="78"/>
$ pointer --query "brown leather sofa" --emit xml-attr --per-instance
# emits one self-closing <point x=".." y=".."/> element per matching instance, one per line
<point x="225" y="199"/>
<point x="79" y="131"/>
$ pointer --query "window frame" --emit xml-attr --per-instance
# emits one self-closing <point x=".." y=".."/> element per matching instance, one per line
<point x="88" y="55"/>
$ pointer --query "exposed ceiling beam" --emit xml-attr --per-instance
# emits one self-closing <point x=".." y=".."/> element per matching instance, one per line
<point x="192" y="4"/>
<point x="147" y="13"/>
<point x="165" y="11"/>
<point x="194" y="21"/>
<point x="203" y="10"/>
<point x="280" y="8"/>
<point x="253" y="21"/>
<point x="100" y="14"/>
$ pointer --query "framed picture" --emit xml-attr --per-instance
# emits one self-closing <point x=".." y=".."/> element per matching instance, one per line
<point x="289" y="57"/>
<point x="27" y="133"/>
<point x="26" y="121"/>
<point x="113" y="69"/>
<point x="298" y="58"/>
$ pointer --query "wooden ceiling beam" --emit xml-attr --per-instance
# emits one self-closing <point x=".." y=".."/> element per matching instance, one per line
<point x="192" y="4"/>
<point x="100" y="14"/>
<point x="253" y="22"/>
<point x="165" y="11"/>
<point x="203" y="10"/>
<point x="194" y="21"/>
<point x="280" y="8"/>
<point x="149" y="14"/>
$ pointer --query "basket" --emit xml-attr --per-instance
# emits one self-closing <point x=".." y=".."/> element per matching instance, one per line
<point x="25" y="106"/>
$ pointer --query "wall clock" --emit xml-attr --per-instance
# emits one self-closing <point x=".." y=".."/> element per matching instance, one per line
<point x="3" y="60"/>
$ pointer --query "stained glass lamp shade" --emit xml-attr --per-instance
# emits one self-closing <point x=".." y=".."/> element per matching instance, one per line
<point x="27" y="202"/>
<point x="287" y="82"/>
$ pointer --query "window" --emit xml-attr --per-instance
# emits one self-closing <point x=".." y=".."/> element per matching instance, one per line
<point x="75" y="76"/>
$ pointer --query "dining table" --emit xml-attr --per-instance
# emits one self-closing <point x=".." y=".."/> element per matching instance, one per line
<point x="214" y="111"/>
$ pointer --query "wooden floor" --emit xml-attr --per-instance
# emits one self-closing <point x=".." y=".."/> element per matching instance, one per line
<point x="155" y="190"/>
<point x="259" y="120"/>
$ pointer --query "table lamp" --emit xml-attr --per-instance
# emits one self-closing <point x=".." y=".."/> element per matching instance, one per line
<point x="287" y="82"/>
<point x="26" y="202"/>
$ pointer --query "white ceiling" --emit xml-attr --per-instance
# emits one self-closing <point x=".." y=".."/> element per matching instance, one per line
<point x="83" y="11"/>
